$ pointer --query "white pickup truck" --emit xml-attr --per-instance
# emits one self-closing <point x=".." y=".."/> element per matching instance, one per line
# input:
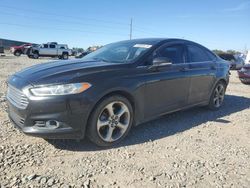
<point x="50" y="50"/>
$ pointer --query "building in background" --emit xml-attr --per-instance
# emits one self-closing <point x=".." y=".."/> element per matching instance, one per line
<point x="6" y="43"/>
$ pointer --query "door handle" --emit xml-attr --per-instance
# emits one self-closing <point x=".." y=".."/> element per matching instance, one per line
<point x="184" y="69"/>
<point x="213" y="67"/>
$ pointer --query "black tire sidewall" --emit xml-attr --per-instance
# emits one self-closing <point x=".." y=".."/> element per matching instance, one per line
<point x="17" y="53"/>
<point x="35" y="55"/>
<point x="65" y="56"/>
<point x="211" y="105"/>
<point x="92" y="132"/>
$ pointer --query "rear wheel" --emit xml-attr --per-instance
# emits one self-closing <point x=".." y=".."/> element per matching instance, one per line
<point x="217" y="96"/>
<point x="111" y="121"/>
<point x="17" y="53"/>
<point x="65" y="56"/>
<point x="35" y="55"/>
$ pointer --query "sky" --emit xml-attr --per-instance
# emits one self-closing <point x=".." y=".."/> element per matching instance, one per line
<point x="217" y="24"/>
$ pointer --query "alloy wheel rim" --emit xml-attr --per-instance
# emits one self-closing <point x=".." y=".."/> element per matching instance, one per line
<point x="113" y="121"/>
<point x="219" y="95"/>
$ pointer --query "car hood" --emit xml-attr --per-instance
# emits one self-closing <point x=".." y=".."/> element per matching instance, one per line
<point x="61" y="71"/>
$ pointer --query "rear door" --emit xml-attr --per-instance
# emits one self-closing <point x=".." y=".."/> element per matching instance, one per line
<point x="202" y="73"/>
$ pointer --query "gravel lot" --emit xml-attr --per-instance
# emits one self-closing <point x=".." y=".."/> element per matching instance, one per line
<point x="192" y="148"/>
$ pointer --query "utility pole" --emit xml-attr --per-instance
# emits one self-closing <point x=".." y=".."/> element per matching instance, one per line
<point x="131" y="29"/>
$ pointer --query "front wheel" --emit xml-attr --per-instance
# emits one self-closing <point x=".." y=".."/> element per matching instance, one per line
<point x="65" y="56"/>
<point x="111" y="121"/>
<point x="35" y="55"/>
<point x="217" y="96"/>
<point x="17" y="53"/>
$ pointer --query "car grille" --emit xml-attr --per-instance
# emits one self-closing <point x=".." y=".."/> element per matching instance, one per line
<point x="17" y="98"/>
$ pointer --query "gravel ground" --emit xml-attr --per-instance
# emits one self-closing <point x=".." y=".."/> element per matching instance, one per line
<point x="192" y="148"/>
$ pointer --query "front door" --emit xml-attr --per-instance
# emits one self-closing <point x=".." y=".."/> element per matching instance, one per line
<point x="167" y="86"/>
<point x="43" y="50"/>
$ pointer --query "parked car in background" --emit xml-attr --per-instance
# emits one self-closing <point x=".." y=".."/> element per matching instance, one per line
<point x="247" y="60"/>
<point x="119" y="85"/>
<point x="82" y="54"/>
<point x="244" y="74"/>
<point x="50" y="50"/>
<point x="19" y="50"/>
<point x="1" y="50"/>
<point x="235" y="61"/>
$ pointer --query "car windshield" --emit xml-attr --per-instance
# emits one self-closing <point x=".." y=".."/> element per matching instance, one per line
<point x="120" y="52"/>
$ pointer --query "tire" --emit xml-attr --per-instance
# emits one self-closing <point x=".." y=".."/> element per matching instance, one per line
<point x="65" y="56"/>
<point x="35" y="55"/>
<point x="245" y="82"/>
<point x="17" y="53"/>
<point x="217" y="96"/>
<point x="110" y="121"/>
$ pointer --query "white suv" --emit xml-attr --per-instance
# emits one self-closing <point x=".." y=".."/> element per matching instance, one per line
<point x="51" y="50"/>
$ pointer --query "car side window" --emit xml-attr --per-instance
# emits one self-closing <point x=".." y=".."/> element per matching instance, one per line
<point x="175" y="53"/>
<point x="45" y="45"/>
<point x="52" y="46"/>
<point x="197" y="54"/>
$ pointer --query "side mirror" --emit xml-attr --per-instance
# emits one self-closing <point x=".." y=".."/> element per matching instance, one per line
<point x="161" y="61"/>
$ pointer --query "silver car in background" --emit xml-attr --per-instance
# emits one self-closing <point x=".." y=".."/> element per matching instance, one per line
<point x="236" y="62"/>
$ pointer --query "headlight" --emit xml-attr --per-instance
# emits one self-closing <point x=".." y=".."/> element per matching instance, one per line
<point x="65" y="89"/>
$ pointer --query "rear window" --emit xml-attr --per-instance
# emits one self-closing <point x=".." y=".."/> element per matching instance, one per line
<point x="197" y="54"/>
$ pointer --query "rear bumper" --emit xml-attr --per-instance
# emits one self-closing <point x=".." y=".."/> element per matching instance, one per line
<point x="245" y="80"/>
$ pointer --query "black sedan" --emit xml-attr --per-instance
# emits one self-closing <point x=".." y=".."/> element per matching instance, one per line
<point x="121" y="85"/>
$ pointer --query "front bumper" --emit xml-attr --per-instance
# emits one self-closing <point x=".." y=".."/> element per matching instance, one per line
<point x="245" y="80"/>
<point x="71" y="113"/>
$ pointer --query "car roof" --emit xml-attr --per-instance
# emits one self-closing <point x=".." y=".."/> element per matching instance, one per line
<point x="157" y="40"/>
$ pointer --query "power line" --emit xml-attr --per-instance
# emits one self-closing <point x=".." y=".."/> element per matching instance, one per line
<point x="124" y="25"/>
<point x="61" y="29"/>
<point x="63" y="21"/>
<point x="61" y="15"/>
<point x="148" y="31"/>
